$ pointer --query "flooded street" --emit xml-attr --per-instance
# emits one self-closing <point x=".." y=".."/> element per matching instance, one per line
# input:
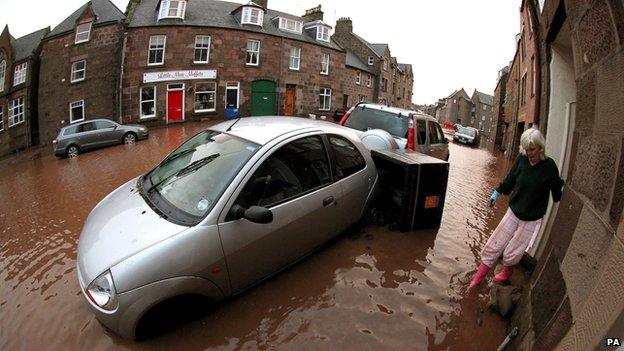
<point x="376" y="289"/>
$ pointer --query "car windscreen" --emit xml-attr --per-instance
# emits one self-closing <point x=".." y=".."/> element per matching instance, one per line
<point x="368" y="118"/>
<point x="466" y="131"/>
<point x="193" y="177"/>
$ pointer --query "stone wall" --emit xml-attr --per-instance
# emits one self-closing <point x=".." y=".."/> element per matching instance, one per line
<point x="357" y="91"/>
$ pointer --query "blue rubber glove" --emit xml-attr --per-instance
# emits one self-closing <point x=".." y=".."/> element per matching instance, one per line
<point x="494" y="197"/>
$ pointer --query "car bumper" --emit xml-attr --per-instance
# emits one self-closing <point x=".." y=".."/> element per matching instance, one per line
<point x="59" y="152"/>
<point x="143" y="135"/>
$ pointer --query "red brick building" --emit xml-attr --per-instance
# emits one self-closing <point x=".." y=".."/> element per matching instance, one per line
<point x="499" y="116"/>
<point x="19" y="79"/>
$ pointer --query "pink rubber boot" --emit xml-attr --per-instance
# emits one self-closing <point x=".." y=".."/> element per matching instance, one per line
<point x="504" y="274"/>
<point x="478" y="277"/>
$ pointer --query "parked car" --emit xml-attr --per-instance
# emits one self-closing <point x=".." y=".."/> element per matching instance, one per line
<point x="466" y="135"/>
<point x="231" y="206"/>
<point x="80" y="137"/>
<point x="426" y="136"/>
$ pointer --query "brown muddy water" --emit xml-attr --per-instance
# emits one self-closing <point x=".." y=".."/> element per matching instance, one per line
<point x="376" y="289"/>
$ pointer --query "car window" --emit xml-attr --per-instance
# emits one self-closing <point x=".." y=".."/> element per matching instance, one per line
<point x="421" y="131"/>
<point x="440" y="132"/>
<point x="103" y="124"/>
<point x="292" y="170"/>
<point x="433" y="134"/>
<point x="369" y="118"/>
<point x="348" y="159"/>
<point x="466" y="131"/>
<point x="71" y="130"/>
<point x="87" y="127"/>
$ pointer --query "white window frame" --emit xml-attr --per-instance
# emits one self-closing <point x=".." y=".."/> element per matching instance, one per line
<point x="75" y="71"/>
<point x="290" y="25"/>
<point x="156" y="48"/>
<point x="369" y="80"/>
<point x="19" y="75"/>
<point x="141" y="101"/>
<point x="201" y="48"/>
<point x="325" y="64"/>
<point x="248" y="14"/>
<point x="2" y="74"/>
<point x="80" y="34"/>
<point x="71" y="112"/>
<point x="295" y="57"/>
<point x="16" y="111"/>
<point x="203" y="91"/>
<point x="325" y="94"/>
<point x="1" y="118"/>
<point x="371" y="60"/>
<point x="250" y="53"/>
<point x="165" y="9"/>
<point x="232" y="86"/>
<point x="385" y="64"/>
<point x="358" y="78"/>
<point x="322" y="33"/>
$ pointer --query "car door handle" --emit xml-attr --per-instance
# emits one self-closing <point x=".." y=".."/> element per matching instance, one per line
<point x="328" y="201"/>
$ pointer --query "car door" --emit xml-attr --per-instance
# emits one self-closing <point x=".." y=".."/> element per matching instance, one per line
<point x="87" y="136"/>
<point x="293" y="180"/>
<point x="436" y="147"/>
<point x="106" y="133"/>
<point x="421" y="136"/>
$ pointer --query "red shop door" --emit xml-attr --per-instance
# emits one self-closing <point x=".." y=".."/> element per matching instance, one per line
<point x="174" y="106"/>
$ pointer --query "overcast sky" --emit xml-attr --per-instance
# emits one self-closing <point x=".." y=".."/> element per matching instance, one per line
<point x="450" y="43"/>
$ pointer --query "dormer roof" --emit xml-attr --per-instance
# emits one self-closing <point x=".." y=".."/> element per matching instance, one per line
<point x="104" y="11"/>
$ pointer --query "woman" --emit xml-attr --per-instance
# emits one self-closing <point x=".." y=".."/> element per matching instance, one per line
<point x="532" y="177"/>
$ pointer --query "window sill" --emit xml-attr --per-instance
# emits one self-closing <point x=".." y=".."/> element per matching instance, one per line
<point x="204" y="111"/>
<point x="293" y="69"/>
<point x="76" y="81"/>
<point x="200" y="63"/>
<point x="16" y="124"/>
<point x="155" y="64"/>
<point x="252" y="65"/>
<point x="147" y="118"/>
<point x="80" y="42"/>
<point x="323" y="74"/>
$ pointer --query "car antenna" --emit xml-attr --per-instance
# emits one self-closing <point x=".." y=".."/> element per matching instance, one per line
<point x="230" y="127"/>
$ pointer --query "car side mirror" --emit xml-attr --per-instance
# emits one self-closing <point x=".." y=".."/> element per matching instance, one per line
<point x="255" y="214"/>
<point x="446" y="141"/>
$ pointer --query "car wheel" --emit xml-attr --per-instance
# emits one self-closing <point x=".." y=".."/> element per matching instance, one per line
<point x="72" y="151"/>
<point x="129" y="138"/>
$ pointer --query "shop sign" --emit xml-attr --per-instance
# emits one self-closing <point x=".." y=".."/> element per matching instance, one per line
<point x="179" y="75"/>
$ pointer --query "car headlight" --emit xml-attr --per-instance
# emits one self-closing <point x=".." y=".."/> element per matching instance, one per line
<point x="102" y="292"/>
<point x="143" y="129"/>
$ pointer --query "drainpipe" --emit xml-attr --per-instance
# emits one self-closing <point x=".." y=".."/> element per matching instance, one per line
<point x="121" y="73"/>
<point x="279" y="80"/>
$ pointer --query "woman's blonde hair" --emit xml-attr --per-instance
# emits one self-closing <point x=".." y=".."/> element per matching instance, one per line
<point x="533" y="136"/>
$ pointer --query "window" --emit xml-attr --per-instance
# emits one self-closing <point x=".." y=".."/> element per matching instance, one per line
<point x="484" y="107"/>
<point x="358" y="78"/>
<point x="78" y="71"/>
<point x="156" y="50"/>
<point x="348" y="159"/>
<point x="438" y="129"/>
<point x="83" y="32"/>
<point x="325" y="64"/>
<point x="533" y="76"/>
<point x="384" y="84"/>
<point x="421" y="131"/>
<point x="295" y="58"/>
<point x="369" y="80"/>
<point x="231" y="95"/>
<point x="290" y="25"/>
<point x="172" y="9"/>
<point x="253" y="52"/>
<point x="103" y="125"/>
<point x="202" y="49"/>
<point x="1" y="118"/>
<point x="16" y="111"/>
<point x="148" y="102"/>
<point x="2" y="74"/>
<point x="325" y="99"/>
<point x="20" y="74"/>
<point x="76" y="111"/>
<point x="523" y="90"/>
<point x="293" y="170"/>
<point x="206" y="97"/>
<point x="322" y="33"/>
<point x="433" y="133"/>
<point x="363" y="98"/>
<point x="371" y="60"/>
<point x="252" y="15"/>
<point x="385" y="64"/>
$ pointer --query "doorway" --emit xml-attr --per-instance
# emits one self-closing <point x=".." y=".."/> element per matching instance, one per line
<point x="175" y="103"/>
<point x="263" y="98"/>
<point x="290" y="100"/>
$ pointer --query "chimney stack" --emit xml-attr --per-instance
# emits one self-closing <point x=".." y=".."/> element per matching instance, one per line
<point x="313" y="14"/>
<point x="344" y="25"/>
<point x="262" y="3"/>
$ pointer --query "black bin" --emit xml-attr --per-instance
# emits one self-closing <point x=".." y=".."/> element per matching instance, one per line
<point x="413" y="187"/>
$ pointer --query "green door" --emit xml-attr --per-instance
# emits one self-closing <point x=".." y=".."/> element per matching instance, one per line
<point x="263" y="98"/>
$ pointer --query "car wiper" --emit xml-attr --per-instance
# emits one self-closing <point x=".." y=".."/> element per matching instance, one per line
<point x="177" y="155"/>
<point x="190" y="168"/>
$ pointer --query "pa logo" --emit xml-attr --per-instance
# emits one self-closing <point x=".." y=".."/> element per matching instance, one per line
<point x="613" y="342"/>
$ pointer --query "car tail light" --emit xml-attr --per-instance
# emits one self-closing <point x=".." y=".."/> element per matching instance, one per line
<point x="55" y="141"/>
<point x="346" y="115"/>
<point x="410" y="133"/>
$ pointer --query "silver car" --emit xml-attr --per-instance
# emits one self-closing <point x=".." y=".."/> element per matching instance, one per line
<point x="79" y="137"/>
<point x="231" y="206"/>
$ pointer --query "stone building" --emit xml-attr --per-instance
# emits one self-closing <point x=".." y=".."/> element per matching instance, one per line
<point x="575" y="298"/>
<point x="481" y="113"/>
<point x="511" y="138"/>
<point x="405" y="80"/>
<point x="19" y="79"/>
<point x="358" y="82"/>
<point x="80" y="68"/>
<point x="456" y="108"/>
<point x="190" y="60"/>
<point x="499" y="117"/>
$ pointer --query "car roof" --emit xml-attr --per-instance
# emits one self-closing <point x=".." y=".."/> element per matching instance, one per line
<point x="397" y="110"/>
<point x="87" y="120"/>
<point x="261" y="130"/>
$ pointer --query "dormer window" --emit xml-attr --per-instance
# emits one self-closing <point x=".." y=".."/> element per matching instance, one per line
<point x="172" y="9"/>
<point x="252" y="15"/>
<point x="290" y="25"/>
<point x="83" y="32"/>
<point x="322" y="33"/>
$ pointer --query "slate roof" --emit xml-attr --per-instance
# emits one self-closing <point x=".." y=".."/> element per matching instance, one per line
<point x="380" y="49"/>
<point x="217" y="14"/>
<point x="105" y="11"/>
<point x="355" y="62"/>
<point x="485" y="98"/>
<point x="369" y="45"/>
<point x="23" y="47"/>
<point x="405" y="67"/>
